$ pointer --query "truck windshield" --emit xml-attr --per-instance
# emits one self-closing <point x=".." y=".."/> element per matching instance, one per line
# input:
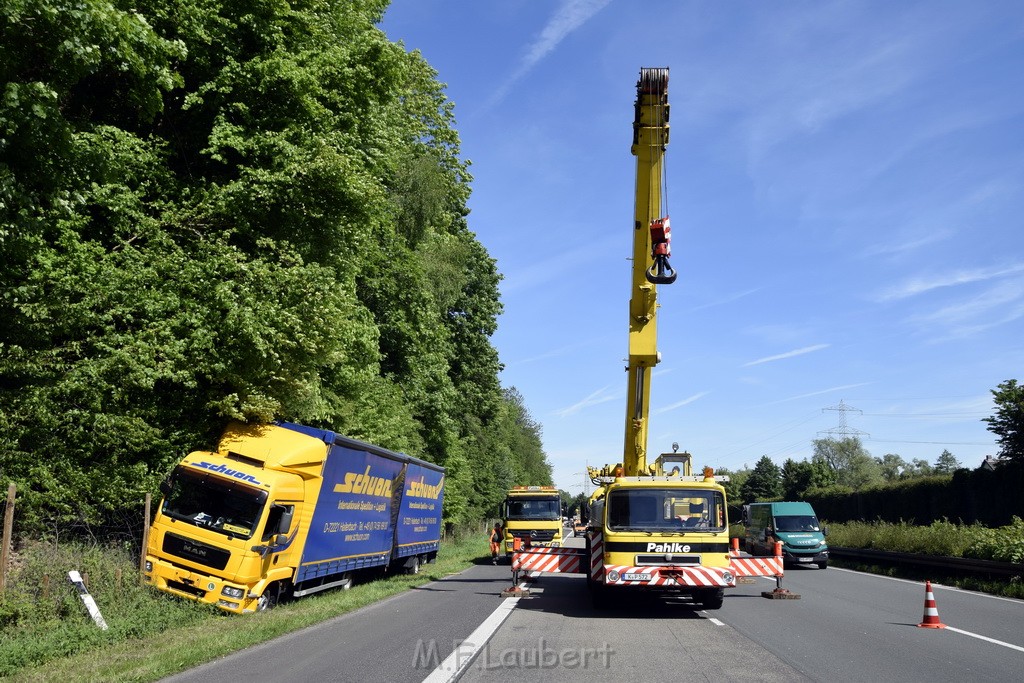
<point x="212" y="503"/>
<point x="665" y="510"/>
<point x="796" y="523"/>
<point x="527" y="508"/>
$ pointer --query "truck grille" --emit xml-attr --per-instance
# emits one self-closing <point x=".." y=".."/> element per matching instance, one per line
<point x="186" y="548"/>
<point x="663" y="559"/>
<point x="536" y="535"/>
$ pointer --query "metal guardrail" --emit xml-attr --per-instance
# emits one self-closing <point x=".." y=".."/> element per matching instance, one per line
<point x="952" y="565"/>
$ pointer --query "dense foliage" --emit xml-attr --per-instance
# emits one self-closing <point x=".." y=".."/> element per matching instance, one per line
<point x="941" y="537"/>
<point x="247" y="210"/>
<point x="1008" y="422"/>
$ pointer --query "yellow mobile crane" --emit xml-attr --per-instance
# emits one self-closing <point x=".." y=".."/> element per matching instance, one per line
<point x="654" y="528"/>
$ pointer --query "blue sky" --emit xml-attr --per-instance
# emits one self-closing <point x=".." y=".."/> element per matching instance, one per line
<point x="846" y="187"/>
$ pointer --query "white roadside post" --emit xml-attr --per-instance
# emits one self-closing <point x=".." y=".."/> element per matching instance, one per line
<point x="90" y="604"/>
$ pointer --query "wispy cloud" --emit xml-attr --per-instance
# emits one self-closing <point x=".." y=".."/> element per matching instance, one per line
<point x="536" y="273"/>
<point x="991" y="308"/>
<point x="602" y="395"/>
<point x="571" y="14"/>
<point x="788" y="354"/>
<point x="819" y="393"/>
<point x="910" y="244"/>
<point x="682" y="403"/>
<point x="726" y="300"/>
<point x="920" y="285"/>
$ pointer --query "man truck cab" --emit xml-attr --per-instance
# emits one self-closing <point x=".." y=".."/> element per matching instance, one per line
<point x="794" y="524"/>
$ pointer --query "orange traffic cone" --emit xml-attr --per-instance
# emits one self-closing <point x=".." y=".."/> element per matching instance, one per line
<point x="931" y="612"/>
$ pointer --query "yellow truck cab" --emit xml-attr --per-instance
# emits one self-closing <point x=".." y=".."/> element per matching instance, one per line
<point x="534" y="515"/>
<point x="284" y="510"/>
<point x="661" y="534"/>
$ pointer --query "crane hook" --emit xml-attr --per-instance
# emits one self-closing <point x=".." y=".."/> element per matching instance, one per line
<point x="661" y="272"/>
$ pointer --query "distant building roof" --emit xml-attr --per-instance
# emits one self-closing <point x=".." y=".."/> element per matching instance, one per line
<point x="991" y="462"/>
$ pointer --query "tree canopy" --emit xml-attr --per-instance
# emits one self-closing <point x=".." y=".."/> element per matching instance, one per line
<point x="764" y="482"/>
<point x="238" y="210"/>
<point x="1008" y="421"/>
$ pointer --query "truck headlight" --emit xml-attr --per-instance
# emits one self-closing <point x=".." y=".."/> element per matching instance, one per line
<point x="232" y="592"/>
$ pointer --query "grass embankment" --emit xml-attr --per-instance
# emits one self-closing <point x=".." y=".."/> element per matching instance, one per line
<point x="1004" y="544"/>
<point x="47" y="636"/>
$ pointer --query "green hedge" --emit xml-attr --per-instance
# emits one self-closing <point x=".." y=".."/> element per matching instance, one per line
<point x="991" y="498"/>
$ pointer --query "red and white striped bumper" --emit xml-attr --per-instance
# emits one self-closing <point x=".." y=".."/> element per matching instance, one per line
<point x="668" y="576"/>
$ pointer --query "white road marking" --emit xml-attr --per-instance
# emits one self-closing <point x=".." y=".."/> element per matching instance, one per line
<point x="934" y="585"/>
<point x="461" y="657"/>
<point x="986" y="638"/>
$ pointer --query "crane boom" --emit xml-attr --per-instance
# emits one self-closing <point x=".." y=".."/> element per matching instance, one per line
<point x="651" y="235"/>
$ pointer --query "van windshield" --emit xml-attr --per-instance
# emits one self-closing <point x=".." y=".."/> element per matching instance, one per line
<point x="796" y="523"/>
<point x="210" y="502"/>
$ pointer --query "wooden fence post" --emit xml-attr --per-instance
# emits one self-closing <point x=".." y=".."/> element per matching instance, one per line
<point x="5" y="557"/>
<point x="145" y="539"/>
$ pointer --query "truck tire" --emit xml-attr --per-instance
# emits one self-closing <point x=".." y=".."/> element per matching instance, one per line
<point x="711" y="598"/>
<point x="413" y="565"/>
<point x="270" y="598"/>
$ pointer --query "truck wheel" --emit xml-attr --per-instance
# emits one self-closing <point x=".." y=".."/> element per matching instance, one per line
<point x="270" y="597"/>
<point x="345" y="582"/>
<point x="413" y="565"/>
<point x="710" y="599"/>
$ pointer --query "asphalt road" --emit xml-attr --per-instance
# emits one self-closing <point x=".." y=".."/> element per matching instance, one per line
<point x="401" y="639"/>
<point x="846" y="626"/>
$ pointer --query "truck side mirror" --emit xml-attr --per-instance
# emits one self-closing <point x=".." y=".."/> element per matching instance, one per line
<point x="278" y="540"/>
<point x="286" y="520"/>
<point x="165" y="487"/>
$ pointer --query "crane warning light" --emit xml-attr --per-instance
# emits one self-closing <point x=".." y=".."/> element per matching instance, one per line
<point x="709" y="473"/>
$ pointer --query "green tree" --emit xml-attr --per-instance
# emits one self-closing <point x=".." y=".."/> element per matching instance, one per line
<point x="946" y="463"/>
<point x="1008" y="422"/>
<point x="892" y="466"/>
<point x="847" y="458"/>
<point x="764" y="482"/>
<point x="798" y="477"/>
<point x="217" y="211"/>
<point x="734" y="487"/>
<point x="919" y="467"/>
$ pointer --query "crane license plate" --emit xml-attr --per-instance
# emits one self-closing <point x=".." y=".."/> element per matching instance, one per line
<point x="636" y="577"/>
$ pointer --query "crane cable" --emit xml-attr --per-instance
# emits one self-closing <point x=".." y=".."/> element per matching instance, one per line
<point x="661" y="272"/>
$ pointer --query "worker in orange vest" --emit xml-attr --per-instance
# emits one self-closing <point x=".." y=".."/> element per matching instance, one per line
<point x="496" y="536"/>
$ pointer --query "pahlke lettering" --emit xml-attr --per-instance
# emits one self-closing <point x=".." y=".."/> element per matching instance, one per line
<point x="668" y="548"/>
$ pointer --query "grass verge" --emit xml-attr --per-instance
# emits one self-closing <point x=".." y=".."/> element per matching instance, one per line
<point x="943" y="538"/>
<point x="48" y="637"/>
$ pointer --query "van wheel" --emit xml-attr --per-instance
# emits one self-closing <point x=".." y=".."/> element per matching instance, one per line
<point x="823" y="565"/>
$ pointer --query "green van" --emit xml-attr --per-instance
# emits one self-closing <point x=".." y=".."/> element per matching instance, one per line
<point x="794" y="524"/>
